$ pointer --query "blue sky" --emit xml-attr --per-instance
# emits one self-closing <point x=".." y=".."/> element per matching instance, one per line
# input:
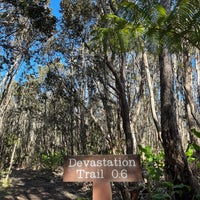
<point x="55" y="5"/>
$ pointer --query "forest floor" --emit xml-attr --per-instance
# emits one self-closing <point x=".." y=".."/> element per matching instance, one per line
<point x="44" y="185"/>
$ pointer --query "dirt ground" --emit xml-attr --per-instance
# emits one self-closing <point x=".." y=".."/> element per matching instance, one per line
<point x="42" y="185"/>
<point x="45" y="185"/>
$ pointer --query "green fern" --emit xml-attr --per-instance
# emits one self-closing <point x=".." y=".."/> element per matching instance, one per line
<point x="197" y="133"/>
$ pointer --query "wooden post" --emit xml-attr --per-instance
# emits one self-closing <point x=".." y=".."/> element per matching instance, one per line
<point x="102" y="190"/>
<point x="134" y="195"/>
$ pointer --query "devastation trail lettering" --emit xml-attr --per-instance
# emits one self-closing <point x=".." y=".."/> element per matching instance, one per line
<point x="102" y="168"/>
<point x="117" y="162"/>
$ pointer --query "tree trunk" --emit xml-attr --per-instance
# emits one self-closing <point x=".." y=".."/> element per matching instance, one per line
<point x="124" y="106"/>
<point x="191" y="111"/>
<point x="153" y="110"/>
<point x="176" y="166"/>
<point x="197" y="66"/>
<point x="83" y="126"/>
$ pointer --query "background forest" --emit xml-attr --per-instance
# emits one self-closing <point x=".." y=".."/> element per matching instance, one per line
<point x="106" y="77"/>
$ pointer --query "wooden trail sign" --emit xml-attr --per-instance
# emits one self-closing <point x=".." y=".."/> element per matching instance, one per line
<point x="102" y="168"/>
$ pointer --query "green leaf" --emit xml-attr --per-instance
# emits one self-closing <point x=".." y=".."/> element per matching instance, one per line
<point x="167" y="184"/>
<point x="198" y="165"/>
<point x="197" y="147"/>
<point x="141" y="148"/>
<point x="127" y="4"/>
<point x="161" y="196"/>
<point x="197" y="133"/>
<point x="190" y="151"/>
<point x="181" y="186"/>
<point x="162" y="13"/>
<point x="118" y="22"/>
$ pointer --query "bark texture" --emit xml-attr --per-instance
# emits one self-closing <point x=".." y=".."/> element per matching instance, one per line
<point x="176" y="166"/>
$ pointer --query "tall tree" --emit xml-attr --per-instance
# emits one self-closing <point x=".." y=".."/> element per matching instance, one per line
<point x="24" y="25"/>
<point x="177" y="170"/>
<point x="160" y="24"/>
